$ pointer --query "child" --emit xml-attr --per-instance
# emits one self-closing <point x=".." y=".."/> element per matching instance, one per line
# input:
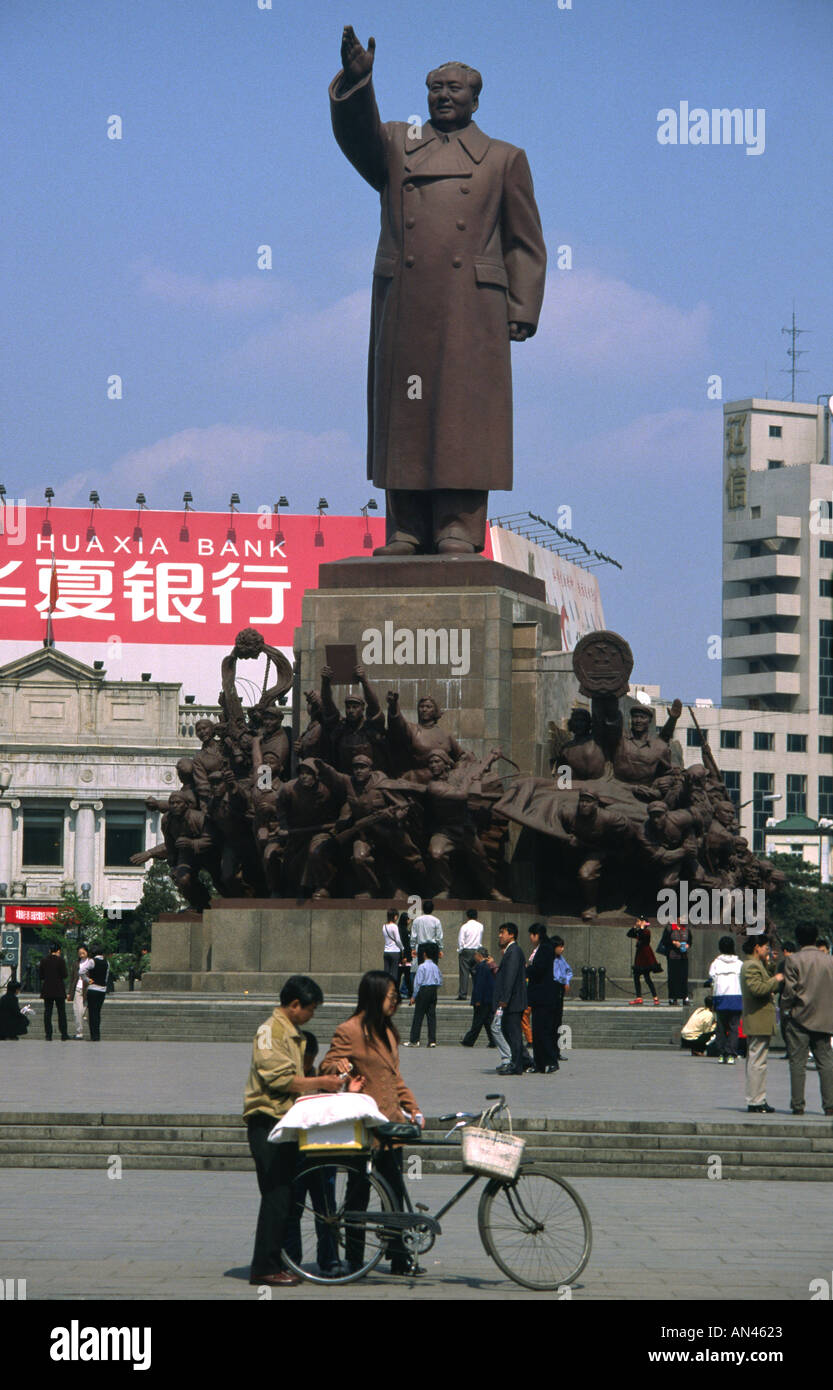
<point x="426" y="983"/>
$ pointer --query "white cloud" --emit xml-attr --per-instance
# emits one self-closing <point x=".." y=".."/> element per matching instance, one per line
<point x="591" y="321"/>
<point x="241" y="295"/>
<point x="211" y="462"/>
<point x="316" y="341"/>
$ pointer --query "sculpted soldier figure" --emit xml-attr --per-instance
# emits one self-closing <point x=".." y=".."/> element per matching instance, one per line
<point x="459" y="273"/>
<point x="361" y="730"/>
<point x="209" y="759"/>
<point x="582" y="754"/>
<point x="599" y="834"/>
<point x="306" y="809"/>
<point x="382" y="847"/>
<point x="640" y="756"/>
<point x="669" y="840"/>
<point x="453" y="842"/>
<point x="413" y="744"/>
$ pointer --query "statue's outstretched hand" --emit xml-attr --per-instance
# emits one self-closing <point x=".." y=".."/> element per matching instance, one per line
<point x="356" y="61"/>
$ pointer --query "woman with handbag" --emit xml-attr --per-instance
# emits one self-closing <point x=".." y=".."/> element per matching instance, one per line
<point x="674" y="945"/>
<point x="645" y="962"/>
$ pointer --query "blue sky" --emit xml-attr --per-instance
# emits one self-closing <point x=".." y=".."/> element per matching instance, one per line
<point x="139" y="257"/>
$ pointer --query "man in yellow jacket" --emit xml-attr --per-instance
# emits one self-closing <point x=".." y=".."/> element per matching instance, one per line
<point x="758" y="984"/>
<point x="276" y="1079"/>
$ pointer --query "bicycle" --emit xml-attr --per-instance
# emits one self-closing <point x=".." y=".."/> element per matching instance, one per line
<point x="534" y="1226"/>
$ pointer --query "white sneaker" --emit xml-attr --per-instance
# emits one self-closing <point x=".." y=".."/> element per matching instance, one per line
<point x="730" y="1061"/>
<point x="410" y="1044"/>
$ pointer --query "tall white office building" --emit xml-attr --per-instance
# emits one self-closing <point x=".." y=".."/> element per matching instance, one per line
<point x="773" y="733"/>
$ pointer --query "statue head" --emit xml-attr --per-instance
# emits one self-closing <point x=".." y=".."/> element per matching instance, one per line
<point x="428" y="711"/>
<point x="185" y="769"/>
<point x="641" y="719"/>
<point x="177" y="802"/>
<point x="362" y="769"/>
<point x="354" y="709"/>
<point x="439" y="765"/>
<point x="307" y="773"/>
<point x="656" y="810"/>
<point x="205" y="730"/>
<point x="588" y="803"/>
<point x="453" y="92"/>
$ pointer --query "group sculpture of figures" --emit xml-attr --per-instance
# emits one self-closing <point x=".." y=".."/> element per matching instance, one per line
<point x="621" y="819"/>
<point x="366" y="804"/>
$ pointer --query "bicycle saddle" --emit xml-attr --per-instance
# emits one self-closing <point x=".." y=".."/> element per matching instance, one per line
<point x="398" y="1133"/>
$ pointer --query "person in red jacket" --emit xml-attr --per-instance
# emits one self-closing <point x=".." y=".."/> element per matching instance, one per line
<point x="644" y="962"/>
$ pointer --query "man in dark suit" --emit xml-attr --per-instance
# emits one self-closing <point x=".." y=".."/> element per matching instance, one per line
<point x="53" y="989"/>
<point x="510" y="995"/>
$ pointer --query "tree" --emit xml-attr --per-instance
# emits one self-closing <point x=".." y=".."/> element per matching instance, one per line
<point x="78" y="921"/>
<point x="158" y="895"/>
<point x="802" y="898"/>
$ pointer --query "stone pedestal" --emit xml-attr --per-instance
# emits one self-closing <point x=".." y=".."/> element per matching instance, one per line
<point x="251" y="946"/>
<point x="473" y="633"/>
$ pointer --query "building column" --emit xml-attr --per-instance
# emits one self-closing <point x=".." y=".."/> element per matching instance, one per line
<point x="7" y="809"/>
<point x="84" y="863"/>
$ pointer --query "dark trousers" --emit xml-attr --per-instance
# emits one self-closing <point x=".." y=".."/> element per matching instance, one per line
<point x="403" y="974"/>
<point x="543" y="1035"/>
<point x="465" y="970"/>
<point x="95" y="1001"/>
<point x="646" y="974"/>
<point x="482" y="1017"/>
<point x="276" y="1165"/>
<point x="425" y="518"/>
<point x="678" y="977"/>
<point x="558" y="1014"/>
<point x="391" y="959"/>
<point x="513" y="1033"/>
<point x="726" y="1036"/>
<point x="317" y="1190"/>
<point x="425" y="1006"/>
<point x="60" y="1005"/>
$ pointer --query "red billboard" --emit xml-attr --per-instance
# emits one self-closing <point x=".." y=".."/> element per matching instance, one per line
<point x="176" y="578"/>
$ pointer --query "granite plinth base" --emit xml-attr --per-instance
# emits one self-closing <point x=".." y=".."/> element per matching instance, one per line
<point x="254" y="945"/>
<point x="476" y="635"/>
<point x="427" y="572"/>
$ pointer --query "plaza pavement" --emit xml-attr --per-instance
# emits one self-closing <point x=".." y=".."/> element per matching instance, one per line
<point x="174" y="1236"/>
<point x="194" y="1078"/>
<point x="188" y="1235"/>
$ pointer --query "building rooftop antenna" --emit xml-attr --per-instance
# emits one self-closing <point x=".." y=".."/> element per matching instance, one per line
<point x="794" y="352"/>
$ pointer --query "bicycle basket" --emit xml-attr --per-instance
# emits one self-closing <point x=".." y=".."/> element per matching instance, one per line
<point x="494" y="1154"/>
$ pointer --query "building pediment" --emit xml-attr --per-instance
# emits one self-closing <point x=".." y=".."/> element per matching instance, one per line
<point x="48" y="664"/>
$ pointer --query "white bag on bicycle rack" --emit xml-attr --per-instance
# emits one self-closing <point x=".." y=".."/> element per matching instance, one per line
<point x="329" y="1121"/>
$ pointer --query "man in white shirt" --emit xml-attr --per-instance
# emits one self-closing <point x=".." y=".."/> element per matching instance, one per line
<point x="469" y="939"/>
<point x="426" y="927"/>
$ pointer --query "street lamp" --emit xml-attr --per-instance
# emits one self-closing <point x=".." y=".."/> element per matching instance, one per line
<point x="281" y="502"/>
<point x="323" y="504"/>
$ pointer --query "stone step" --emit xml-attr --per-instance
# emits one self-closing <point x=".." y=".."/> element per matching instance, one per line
<point x="571" y="1167"/>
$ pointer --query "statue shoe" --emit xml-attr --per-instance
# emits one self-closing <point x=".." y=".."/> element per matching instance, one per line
<point x="396" y="548"/>
<point x="455" y="547"/>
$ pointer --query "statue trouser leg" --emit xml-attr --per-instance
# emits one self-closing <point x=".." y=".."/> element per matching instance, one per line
<point x="319" y="867"/>
<point x="589" y="875"/>
<point x="425" y="519"/>
<point x="363" y="868"/>
<point x="397" y="852"/>
<point x="440" y="849"/>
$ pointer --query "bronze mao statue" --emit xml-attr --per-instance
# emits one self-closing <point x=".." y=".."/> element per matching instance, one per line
<point x="459" y="273"/>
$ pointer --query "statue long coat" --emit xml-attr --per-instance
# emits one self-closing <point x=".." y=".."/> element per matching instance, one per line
<point x="460" y="255"/>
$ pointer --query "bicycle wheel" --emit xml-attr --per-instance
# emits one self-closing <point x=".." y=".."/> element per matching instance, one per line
<point x="536" y="1229"/>
<point x="336" y="1233"/>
